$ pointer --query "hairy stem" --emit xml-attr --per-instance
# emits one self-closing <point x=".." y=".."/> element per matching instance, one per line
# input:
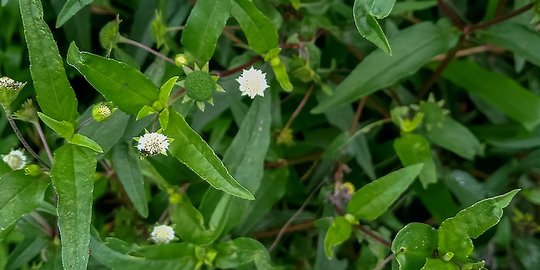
<point x="24" y="142"/>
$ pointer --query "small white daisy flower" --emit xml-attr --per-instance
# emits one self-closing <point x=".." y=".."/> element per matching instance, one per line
<point x="151" y="144"/>
<point x="252" y="82"/>
<point x="162" y="234"/>
<point x="10" y="84"/>
<point x="16" y="159"/>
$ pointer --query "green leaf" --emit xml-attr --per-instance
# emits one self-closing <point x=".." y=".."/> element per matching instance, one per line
<point x="72" y="176"/>
<point x="232" y="254"/>
<point x="518" y="38"/>
<point x="444" y="131"/>
<point x="165" y="90"/>
<point x="413" y="47"/>
<point x="412" y="149"/>
<point x="455" y="233"/>
<point x="54" y="93"/>
<point x="203" y="28"/>
<point x="118" y="82"/>
<point x="63" y="128"/>
<point x="409" y="6"/>
<point x="28" y="249"/>
<point x="413" y="244"/>
<point x="370" y="29"/>
<point x="70" y="8"/>
<point x="261" y="33"/>
<point x="84" y="141"/>
<point x="117" y="261"/>
<point x="373" y="199"/>
<point x="127" y="167"/>
<point x="19" y="196"/>
<point x="194" y="152"/>
<point x="107" y="133"/>
<point x="338" y="232"/>
<point x="189" y="223"/>
<point x="436" y="264"/>
<point x="497" y="90"/>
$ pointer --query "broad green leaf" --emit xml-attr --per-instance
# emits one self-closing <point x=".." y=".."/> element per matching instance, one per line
<point x="72" y="176"/>
<point x="117" y="261"/>
<point x="436" y="264"/>
<point x="338" y="232"/>
<point x="261" y="33"/>
<point x="54" y="93"/>
<point x="189" y="223"/>
<point x="70" y="8"/>
<point x="235" y="253"/>
<point x="413" y="244"/>
<point x="497" y="90"/>
<point x="127" y="167"/>
<point x="412" y="48"/>
<point x="465" y="187"/>
<point x="373" y="199"/>
<point x="203" y="28"/>
<point x="118" y="82"/>
<point x="194" y="152"/>
<point x="19" y="196"/>
<point x="445" y="132"/>
<point x="516" y="37"/>
<point x="455" y="233"/>
<point x="84" y="141"/>
<point x="368" y="27"/>
<point x="107" y="133"/>
<point x="409" y="6"/>
<point x="412" y="149"/>
<point x="63" y="128"/>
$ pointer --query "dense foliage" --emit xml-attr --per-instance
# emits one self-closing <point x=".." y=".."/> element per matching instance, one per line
<point x="279" y="134"/>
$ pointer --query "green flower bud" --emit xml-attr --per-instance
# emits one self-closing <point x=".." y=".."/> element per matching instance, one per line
<point x="32" y="170"/>
<point x="199" y="85"/>
<point x="27" y="112"/>
<point x="102" y="111"/>
<point x="109" y="35"/>
<point x="181" y="60"/>
<point x="9" y="90"/>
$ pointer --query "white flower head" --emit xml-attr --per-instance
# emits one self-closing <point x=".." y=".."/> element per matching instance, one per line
<point x="16" y="159"/>
<point x="162" y="234"/>
<point x="10" y="84"/>
<point x="252" y="82"/>
<point x="151" y="144"/>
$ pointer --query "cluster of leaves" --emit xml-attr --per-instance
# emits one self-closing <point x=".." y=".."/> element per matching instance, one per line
<point x="269" y="183"/>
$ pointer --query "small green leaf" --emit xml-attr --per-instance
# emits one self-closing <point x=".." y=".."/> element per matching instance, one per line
<point x="194" y="152"/>
<point x="54" y="93"/>
<point x="412" y="48"/>
<point x="19" y="196"/>
<point x="413" y="244"/>
<point x="455" y="233"/>
<point x="70" y="8"/>
<point x="444" y="131"/>
<point x="261" y="33"/>
<point x="84" y="141"/>
<point x="235" y="253"/>
<point x="145" y="111"/>
<point x="373" y="199"/>
<point x="189" y="223"/>
<point x="63" y="128"/>
<point x="518" y="38"/>
<point x="72" y="176"/>
<point x="118" y="82"/>
<point x="370" y="29"/>
<point x="412" y="149"/>
<point x="127" y="166"/>
<point x="165" y="90"/>
<point x="436" y="264"/>
<point x="203" y="28"/>
<point x="377" y="8"/>
<point x="338" y="232"/>
<point x="497" y="90"/>
<point x="164" y="118"/>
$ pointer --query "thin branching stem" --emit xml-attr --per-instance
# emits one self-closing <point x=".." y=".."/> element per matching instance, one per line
<point x="24" y="142"/>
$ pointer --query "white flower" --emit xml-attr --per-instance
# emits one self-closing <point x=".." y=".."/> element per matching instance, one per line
<point x="151" y="144"/>
<point x="162" y="234"/>
<point x="252" y="82"/>
<point x="9" y="83"/>
<point x="16" y="159"/>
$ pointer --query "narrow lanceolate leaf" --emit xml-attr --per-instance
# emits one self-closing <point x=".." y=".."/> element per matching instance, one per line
<point x="261" y="33"/>
<point x="412" y="48"/>
<point x="54" y="94"/>
<point x="412" y="149"/>
<point x="373" y="199"/>
<point x="445" y="132"/>
<point x="20" y="194"/>
<point x="497" y="90"/>
<point x="203" y="28"/>
<point x="455" y="233"/>
<point x="73" y="178"/>
<point x="413" y="244"/>
<point x="118" y="82"/>
<point x="516" y="37"/>
<point x="338" y="232"/>
<point x="126" y="165"/>
<point x="194" y="152"/>
<point x="369" y="28"/>
<point x="70" y="8"/>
